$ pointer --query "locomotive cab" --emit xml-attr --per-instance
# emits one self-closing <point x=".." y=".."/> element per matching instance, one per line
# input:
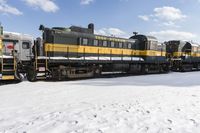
<point x="19" y="45"/>
<point x="178" y="50"/>
<point x="193" y="51"/>
<point x="181" y="54"/>
<point x="152" y="52"/>
<point x="148" y="45"/>
<point x="15" y="55"/>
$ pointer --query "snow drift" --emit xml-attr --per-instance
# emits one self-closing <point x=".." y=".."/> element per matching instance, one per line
<point x="137" y="104"/>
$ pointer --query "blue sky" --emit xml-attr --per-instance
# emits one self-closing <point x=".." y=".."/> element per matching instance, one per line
<point x="165" y="19"/>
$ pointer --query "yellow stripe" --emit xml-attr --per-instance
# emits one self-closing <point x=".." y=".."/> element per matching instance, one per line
<point x="178" y="54"/>
<point x="8" y="77"/>
<point x="101" y="50"/>
<point x="1" y="45"/>
<point x="195" y="54"/>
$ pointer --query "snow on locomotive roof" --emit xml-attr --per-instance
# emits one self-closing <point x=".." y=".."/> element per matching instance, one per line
<point x="18" y="36"/>
<point x="151" y="38"/>
<point x="183" y="42"/>
<point x="194" y="44"/>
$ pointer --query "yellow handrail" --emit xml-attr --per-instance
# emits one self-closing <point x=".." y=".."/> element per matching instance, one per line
<point x="1" y="53"/>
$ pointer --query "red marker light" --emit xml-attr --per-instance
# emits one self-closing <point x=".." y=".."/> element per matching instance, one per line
<point x="10" y="46"/>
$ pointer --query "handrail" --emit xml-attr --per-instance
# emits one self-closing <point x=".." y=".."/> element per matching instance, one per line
<point x="122" y="55"/>
<point x="14" y="60"/>
<point x="1" y="51"/>
<point x="110" y="54"/>
<point x="36" y="58"/>
<point x="46" y="61"/>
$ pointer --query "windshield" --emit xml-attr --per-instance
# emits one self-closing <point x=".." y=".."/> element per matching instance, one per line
<point x="172" y="46"/>
<point x="8" y="46"/>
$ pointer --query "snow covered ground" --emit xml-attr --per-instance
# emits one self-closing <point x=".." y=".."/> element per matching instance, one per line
<point x="167" y="103"/>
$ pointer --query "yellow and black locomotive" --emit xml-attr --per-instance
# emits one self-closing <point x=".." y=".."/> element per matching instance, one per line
<point x="77" y="52"/>
<point x="183" y="55"/>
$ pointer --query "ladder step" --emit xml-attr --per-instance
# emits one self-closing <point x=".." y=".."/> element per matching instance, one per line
<point x="8" y="60"/>
<point x="8" y="70"/>
<point x="41" y="77"/>
<point x="41" y="71"/>
<point x="8" y="77"/>
<point x="8" y="64"/>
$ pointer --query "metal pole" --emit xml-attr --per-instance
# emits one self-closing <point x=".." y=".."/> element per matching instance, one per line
<point x="98" y="53"/>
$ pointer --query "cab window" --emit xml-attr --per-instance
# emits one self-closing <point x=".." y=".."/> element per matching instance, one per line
<point x="95" y="42"/>
<point x="195" y="49"/>
<point x="105" y="43"/>
<point x="85" y="41"/>
<point x="8" y="46"/>
<point x="120" y="45"/>
<point x="129" y="45"/>
<point x="116" y="44"/>
<point x="152" y="45"/>
<point x="125" y="45"/>
<point x="26" y="45"/>
<point x="112" y="44"/>
<point x="100" y="43"/>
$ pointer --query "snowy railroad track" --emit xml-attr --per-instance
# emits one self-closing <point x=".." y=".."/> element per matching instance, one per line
<point x="142" y="104"/>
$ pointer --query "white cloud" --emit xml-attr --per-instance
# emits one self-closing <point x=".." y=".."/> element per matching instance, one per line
<point x="45" y="5"/>
<point x="111" y="32"/>
<point x="169" y="14"/>
<point x="144" y="17"/>
<point x="86" y="2"/>
<point x="7" y="9"/>
<point x="173" y="35"/>
<point x="170" y="23"/>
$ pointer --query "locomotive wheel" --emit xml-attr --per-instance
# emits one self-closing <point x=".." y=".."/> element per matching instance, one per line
<point x="185" y="68"/>
<point x="161" y="70"/>
<point x="31" y="74"/>
<point x="166" y="69"/>
<point x="145" y="69"/>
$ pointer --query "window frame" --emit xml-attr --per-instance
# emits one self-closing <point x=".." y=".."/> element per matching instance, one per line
<point x="97" y="42"/>
<point x="116" y="44"/>
<point x="129" y="45"/>
<point x="112" y="44"/>
<point x="120" y="44"/>
<point x="125" y="45"/>
<point x="83" y="41"/>
<point x="100" y="43"/>
<point x="27" y="46"/>
<point x="105" y="43"/>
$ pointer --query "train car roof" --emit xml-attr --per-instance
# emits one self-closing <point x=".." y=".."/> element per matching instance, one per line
<point x="96" y="36"/>
<point x="16" y="36"/>
<point x="182" y="43"/>
<point x="144" y="37"/>
<point x="194" y="44"/>
<point x="151" y="38"/>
